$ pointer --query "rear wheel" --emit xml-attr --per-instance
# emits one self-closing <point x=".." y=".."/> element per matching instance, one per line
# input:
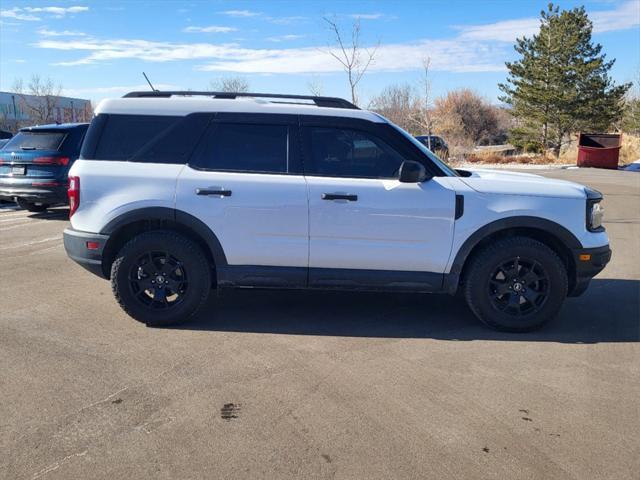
<point x="160" y="278"/>
<point x="515" y="284"/>
<point x="31" y="206"/>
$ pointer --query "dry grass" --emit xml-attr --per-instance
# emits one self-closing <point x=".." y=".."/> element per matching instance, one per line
<point x="630" y="152"/>
<point x="496" y="159"/>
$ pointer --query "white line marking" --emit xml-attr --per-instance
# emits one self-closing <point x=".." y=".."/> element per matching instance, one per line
<point x="15" y="219"/>
<point x="15" y="226"/>
<point x="14" y="213"/>
<point x="27" y="244"/>
<point x="45" y="250"/>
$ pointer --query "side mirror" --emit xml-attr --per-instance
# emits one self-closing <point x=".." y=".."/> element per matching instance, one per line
<point x="413" y="172"/>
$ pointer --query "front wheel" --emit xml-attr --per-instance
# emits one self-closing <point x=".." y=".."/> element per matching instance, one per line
<point x="160" y="278"/>
<point x="515" y="284"/>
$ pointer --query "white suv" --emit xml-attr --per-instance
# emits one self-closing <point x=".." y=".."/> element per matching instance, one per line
<point x="177" y="193"/>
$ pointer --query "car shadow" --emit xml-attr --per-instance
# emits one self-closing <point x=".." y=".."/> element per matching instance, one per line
<point x="60" y="213"/>
<point x="608" y="312"/>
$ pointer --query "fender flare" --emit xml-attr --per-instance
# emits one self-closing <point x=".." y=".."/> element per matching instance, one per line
<point x="550" y="227"/>
<point x="177" y="216"/>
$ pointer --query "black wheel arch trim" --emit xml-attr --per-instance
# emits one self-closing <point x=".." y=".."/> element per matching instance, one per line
<point x="173" y="215"/>
<point x="548" y="226"/>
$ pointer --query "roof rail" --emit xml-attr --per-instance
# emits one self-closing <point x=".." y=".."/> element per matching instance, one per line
<point x="278" y="98"/>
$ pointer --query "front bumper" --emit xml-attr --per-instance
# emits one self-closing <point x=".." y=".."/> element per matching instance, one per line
<point x="589" y="262"/>
<point x="77" y="245"/>
<point x="43" y="193"/>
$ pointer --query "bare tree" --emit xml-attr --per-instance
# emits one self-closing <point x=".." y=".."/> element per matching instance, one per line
<point x="4" y="121"/>
<point x="424" y="117"/>
<point x="354" y="58"/>
<point x="39" y="97"/>
<point x="466" y="119"/>
<point x="316" y="87"/>
<point x="87" y="112"/>
<point x="230" y="84"/>
<point x="631" y="119"/>
<point x="399" y="104"/>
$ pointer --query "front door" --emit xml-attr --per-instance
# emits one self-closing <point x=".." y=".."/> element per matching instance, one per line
<point x="366" y="229"/>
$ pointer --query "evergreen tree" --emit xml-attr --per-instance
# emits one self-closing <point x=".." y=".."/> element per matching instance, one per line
<point x="561" y="83"/>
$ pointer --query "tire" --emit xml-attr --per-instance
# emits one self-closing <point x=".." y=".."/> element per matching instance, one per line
<point x="32" y="207"/>
<point x="161" y="257"/>
<point x="515" y="284"/>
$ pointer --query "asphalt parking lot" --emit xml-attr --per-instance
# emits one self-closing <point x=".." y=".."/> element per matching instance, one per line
<point x="315" y="385"/>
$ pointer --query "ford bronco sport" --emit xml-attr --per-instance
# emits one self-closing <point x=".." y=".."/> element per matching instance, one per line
<point x="177" y="193"/>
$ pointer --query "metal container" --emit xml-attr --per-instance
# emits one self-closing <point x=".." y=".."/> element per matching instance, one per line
<point x="599" y="150"/>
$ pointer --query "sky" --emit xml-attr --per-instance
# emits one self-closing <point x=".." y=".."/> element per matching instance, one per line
<point x="99" y="49"/>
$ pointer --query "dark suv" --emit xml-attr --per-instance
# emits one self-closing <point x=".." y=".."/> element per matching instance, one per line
<point x="34" y="165"/>
<point x="436" y="144"/>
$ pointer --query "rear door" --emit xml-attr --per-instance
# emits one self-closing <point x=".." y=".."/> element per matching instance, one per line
<point x="366" y="228"/>
<point x="244" y="180"/>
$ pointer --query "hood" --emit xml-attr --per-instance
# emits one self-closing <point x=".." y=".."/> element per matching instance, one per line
<point x="512" y="183"/>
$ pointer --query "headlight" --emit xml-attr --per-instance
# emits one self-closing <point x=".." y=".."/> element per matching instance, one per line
<point x="595" y="216"/>
<point x="595" y="212"/>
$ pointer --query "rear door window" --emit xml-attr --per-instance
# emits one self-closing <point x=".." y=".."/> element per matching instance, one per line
<point x="36" y="141"/>
<point x="243" y="148"/>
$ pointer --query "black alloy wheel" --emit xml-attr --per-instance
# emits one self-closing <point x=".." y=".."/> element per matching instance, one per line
<point x="158" y="280"/>
<point x="519" y="286"/>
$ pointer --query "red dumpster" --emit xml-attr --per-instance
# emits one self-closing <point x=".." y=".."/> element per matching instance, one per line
<point x="599" y="150"/>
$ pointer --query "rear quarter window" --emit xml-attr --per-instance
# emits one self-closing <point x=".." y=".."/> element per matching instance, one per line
<point x="143" y="138"/>
<point x="122" y="136"/>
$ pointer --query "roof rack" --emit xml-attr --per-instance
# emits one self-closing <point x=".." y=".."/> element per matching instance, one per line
<point x="319" y="101"/>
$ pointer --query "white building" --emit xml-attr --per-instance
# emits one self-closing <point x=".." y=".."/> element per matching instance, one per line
<point x="20" y="110"/>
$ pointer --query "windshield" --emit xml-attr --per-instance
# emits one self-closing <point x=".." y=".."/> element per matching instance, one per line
<point x="434" y="158"/>
<point x="35" y="141"/>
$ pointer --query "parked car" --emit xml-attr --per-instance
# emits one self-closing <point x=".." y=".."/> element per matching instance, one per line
<point x="34" y="165"/>
<point x="436" y="144"/>
<point x="176" y="193"/>
<point x="4" y="138"/>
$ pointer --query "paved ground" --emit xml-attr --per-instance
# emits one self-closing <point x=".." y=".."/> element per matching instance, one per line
<point x="296" y="385"/>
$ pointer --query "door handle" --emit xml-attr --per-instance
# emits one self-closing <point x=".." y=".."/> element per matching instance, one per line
<point x="220" y="192"/>
<point x="340" y="196"/>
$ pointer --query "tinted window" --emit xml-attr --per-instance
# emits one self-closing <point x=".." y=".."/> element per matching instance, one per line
<point x="36" y="141"/>
<point x="123" y="136"/>
<point x="350" y="153"/>
<point x="177" y="142"/>
<point x="243" y="147"/>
